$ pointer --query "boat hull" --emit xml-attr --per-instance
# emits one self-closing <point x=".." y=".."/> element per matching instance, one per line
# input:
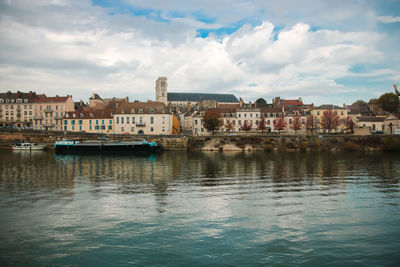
<point x="106" y="148"/>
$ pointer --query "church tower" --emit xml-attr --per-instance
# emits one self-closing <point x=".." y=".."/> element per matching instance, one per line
<point x="161" y="89"/>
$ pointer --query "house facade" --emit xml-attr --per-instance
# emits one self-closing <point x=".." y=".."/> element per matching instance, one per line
<point x="152" y="118"/>
<point x="318" y="113"/>
<point x="392" y="123"/>
<point x="90" y="121"/>
<point x="17" y="109"/>
<point x="49" y="112"/>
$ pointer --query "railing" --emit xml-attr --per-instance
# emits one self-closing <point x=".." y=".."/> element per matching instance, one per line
<point x="48" y="124"/>
<point x="38" y="117"/>
<point x="48" y="110"/>
<point x="140" y="124"/>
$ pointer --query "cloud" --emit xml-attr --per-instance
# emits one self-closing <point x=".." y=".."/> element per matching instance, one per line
<point x="75" y="47"/>
<point x="388" y="19"/>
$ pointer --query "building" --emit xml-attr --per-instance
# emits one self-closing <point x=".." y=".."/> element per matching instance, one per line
<point x="16" y="109"/>
<point x="183" y="102"/>
<point x="89" y="120"/>
<point x="49" y="112"/>
<point x="392" y="123"/>
<point x="143" y="118"/>
<point x="375" y="124"/>
<point x="318" y="113"/>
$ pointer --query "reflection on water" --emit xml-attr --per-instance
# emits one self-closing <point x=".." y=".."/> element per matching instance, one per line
<point x="182" y="208"/>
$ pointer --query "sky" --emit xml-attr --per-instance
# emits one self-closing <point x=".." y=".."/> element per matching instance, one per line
<point x="327" y="52"/>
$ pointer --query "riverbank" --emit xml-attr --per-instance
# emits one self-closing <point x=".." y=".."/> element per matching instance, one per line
<point x="224" y="143"/>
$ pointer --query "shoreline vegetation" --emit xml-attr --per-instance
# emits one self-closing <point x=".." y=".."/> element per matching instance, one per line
<point x="331" y="142"/>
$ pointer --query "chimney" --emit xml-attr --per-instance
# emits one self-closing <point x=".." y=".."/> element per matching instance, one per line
<point x="241" y="102"/>
<point x="127" y="99"/>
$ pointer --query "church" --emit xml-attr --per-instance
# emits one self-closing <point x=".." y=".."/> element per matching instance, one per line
<point x="183" y="101"/>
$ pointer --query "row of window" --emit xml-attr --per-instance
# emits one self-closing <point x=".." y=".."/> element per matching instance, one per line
<point x="14" y="100"/>
<point x="128" y="120"/>
<point x="80" y="122"/>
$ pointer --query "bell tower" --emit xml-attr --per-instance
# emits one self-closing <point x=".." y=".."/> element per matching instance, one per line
<point x="161" y="89"/>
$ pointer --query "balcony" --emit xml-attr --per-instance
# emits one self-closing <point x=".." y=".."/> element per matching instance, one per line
<point x="47" y="110"/>
<point x="58" y="117"/>
<point x="38" y="117"/>
<point x="140" y="124"/>
<point x="47" y="124"/>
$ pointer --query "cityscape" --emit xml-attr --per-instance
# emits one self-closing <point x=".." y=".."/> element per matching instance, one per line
<point x="172" y="113"/>
<point x="199" y="133"/>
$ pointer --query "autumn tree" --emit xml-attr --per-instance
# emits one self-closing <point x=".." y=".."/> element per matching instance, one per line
<point x="296" y="123"/>
<point x="261" y="125"/>
<point x="246" y="126"/>
<point x="389" y="102"/>
<point x="280" y="124"/>
<point x="330" y="120"/>
<point x="311" y="122"/>
<point x="212" y="120"/>
<point x="229" y="125"/>
<point x="349" y="124"/>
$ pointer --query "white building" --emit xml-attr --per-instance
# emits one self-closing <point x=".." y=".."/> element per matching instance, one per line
<point x="143" y="118"/>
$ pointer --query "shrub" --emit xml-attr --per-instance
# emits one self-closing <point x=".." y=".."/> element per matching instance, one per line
<point x="268" y="147"/>
<point x="350" y="146"/>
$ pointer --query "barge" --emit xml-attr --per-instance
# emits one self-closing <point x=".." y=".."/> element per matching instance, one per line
<point x="105" y="145"/>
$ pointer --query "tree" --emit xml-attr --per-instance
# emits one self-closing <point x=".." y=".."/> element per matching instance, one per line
<point x="389" y="102"/>
<point x="280" y="124"/>
<point x="246" y="126"/>
<point x="296" y="123"/>
<point x="373" y="101"/>
<point x="349" y="124"/>
<point x="360" y="103"/>
<point x="311" y="122"/>
<point x="261" y="125"/>
<point x="261" y="101"/>
<point x="330" y="120"/>
<point x="212" y="120"/>
<point x="229" y="125"/>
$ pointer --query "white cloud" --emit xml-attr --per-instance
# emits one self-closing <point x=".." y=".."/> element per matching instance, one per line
<point x="388" y="19"/>
<point x="80" y="48"/>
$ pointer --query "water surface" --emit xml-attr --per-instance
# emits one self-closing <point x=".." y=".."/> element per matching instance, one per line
<point x="181" y="208"/>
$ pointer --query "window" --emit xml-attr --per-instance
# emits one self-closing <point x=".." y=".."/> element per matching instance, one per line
<point x="97" y="122"/>
<point x="140" y="110"/>
<point x="80" y="127"/>
<point x="96" y="127"/>
<point x="80" y="122"/>
<point x="109" y="127"/>
<point x="73" y="122"/>
<point x="117" y="120"/>
<point x="163" y="129"/>
<point x="90" y="122"/>
<point x="73" y="127"/>
<point x="151" y="110"/>
<point x="90" y="127"/>
<point x="163" y="120"/>
<point x="318" y="113"/>
<point x="151" y="129"/>
<point x="133" y="120"/>
<point x="65" y="128"/>
<point x="102" y="122"/>
<point x="122" y="129"/>
<point x="195" y="122"/>
<point x="110" y="122"/>
<point x="239" y="115"/>
<point x="127" y="120"/>
<point x="103" y="127"/>
<point x="132" y="129"/>
<point x="65" y="122"/>
<point x="122" y="120"/>
<point x="152" y="120"/>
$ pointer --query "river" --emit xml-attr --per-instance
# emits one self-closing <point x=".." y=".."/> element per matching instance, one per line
<point x="194" y="208"/>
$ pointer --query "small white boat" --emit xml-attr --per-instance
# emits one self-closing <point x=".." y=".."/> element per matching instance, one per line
<point x="28" y="146"/>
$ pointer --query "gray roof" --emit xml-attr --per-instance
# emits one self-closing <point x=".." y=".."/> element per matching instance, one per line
<point x="328" y="107"/>
<point x="195" y="97"/>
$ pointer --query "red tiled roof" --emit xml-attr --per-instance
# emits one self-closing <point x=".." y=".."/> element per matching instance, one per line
<point x="55" y="99"/>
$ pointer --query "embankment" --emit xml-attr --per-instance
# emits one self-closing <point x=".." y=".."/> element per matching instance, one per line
<point x="223" y="143"/>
